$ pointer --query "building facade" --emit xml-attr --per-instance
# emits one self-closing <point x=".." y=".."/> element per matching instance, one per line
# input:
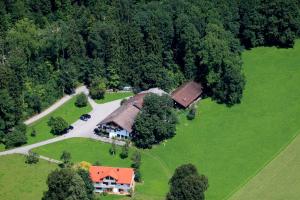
<point x="112" y="180"/>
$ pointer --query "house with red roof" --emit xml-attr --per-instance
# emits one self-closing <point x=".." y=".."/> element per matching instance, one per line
<point x="112" y="179"/>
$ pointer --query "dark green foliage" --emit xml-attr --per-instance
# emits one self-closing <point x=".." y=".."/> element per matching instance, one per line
<point x="16" y="137"/>
<point x="65" y="184"/>
<point x="192" y="113"/>
<point x="186" y="183"/>
<point x="58" y="125"/>
<point x="89" y="187"/>
<point x="66" y="158"/>
<point x="32" y="158"/>
<point x="136" y="164"/>
<point x="137" y="175"/>
<point x="113" y="148"/>
<point x="125" y="150"/>
<point x="136" y="159"/>
<point x="33" y="133"/>
<point x="97" y="89"/>
<point x="156" y="122"/>
<point x="269" y="22"/>
<point x="81" y="100"/>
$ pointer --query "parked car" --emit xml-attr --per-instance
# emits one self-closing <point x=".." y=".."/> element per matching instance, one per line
<point x="67" y="129"/>
<point x="85" y="117"/>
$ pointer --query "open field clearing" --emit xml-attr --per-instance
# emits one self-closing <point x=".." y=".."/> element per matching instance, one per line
<point x="22" y="181"/>
<point x="280" y="179"/>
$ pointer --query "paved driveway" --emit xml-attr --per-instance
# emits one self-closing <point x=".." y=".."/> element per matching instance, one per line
<point x="81" y="128"/>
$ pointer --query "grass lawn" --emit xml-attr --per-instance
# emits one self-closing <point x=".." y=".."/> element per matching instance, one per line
<point x="229" y="145"/>
<point x="2" y="147"/>
<point x="68" y="111"/>
<point x="22" y="181"/>
<point x="111" y="96"/>
<point x="281" y="175"/>
<point x="83" y="149"/>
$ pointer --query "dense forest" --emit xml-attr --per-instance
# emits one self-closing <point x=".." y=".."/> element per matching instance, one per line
<point x="48" y="47"/>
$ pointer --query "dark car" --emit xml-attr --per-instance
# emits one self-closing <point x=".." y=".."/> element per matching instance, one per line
<point x="71" y="127"/>
<point x="85" y="117"/>
<point x="67" y="129"/>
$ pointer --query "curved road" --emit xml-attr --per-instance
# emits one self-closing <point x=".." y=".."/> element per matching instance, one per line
<point x="56" y="105"/>
<point x="81" y="128"/>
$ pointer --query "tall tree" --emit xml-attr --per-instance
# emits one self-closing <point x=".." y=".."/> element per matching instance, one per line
<point x="186" y="183"/>
<point x="65" y="184"/>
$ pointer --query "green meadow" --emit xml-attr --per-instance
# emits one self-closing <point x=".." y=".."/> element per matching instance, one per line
<point x="22" y="181"/>
<point x="281" y="175"/>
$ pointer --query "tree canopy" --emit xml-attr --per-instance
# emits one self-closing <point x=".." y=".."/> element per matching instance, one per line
<point x="186" y="183"/>
<point x="156" y="121"/>
<point x="65" y="184"/>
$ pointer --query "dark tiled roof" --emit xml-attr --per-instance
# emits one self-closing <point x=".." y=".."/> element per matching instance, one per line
<point x="187" y="93"/>
<point x="124" y="116"/>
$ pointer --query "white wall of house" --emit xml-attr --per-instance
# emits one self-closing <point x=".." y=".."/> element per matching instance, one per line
<point x="121" y="134"/>
<point x="110" y="185"/>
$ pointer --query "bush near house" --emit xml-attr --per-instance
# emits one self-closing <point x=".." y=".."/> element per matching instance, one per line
<point x="192" y="113"/>
<point x="81" y="100"/>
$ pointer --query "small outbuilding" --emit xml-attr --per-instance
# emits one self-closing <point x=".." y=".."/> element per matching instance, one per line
<point x="186" y="94"/>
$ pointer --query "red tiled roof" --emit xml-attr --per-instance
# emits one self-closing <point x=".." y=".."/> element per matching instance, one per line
<point x="121" y="175"/>
<point x="187" y="93"/>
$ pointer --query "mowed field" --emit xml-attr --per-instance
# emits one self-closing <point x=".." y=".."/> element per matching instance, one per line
<point x="280" y="179"/>
<point x="230" y="145"/>
<point x="22" y="181"/>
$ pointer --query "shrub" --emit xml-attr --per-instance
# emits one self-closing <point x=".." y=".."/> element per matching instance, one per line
<point x="136" y="159"/>
<point x="32" y="158"/>
<point x="113" y="148"/>
<point x="125" y="150"/>
<point x="33" y="133"/>
<point x="137" y="175"/>
<point x="81" y="100"/>
<point x="191" y="114"/>
<point x="66" y="157"/>
<point x="58" y="125"/>
<point x="97" y="89"/>
<point x="15" y="138"/>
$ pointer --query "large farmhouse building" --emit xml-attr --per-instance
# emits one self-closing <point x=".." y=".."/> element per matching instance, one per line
<point x="120" y="122"/>
<point x="112" y="180"/>
<point x="186" y="94"/>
